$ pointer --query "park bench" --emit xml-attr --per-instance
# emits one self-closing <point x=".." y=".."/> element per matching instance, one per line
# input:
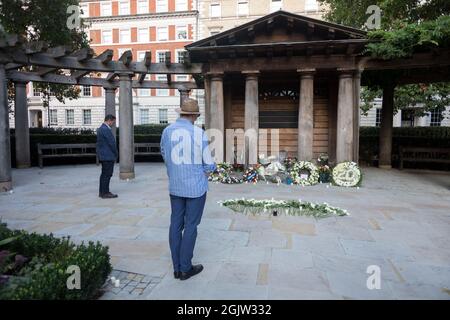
<point x="46" y="151"/>
<point x="418" y="154"/>
<point x="147" y="149"/>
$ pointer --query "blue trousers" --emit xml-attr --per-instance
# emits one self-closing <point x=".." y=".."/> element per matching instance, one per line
<point x="186" y="216"/>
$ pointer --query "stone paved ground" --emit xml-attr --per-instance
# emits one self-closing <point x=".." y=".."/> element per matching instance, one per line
<point x="399" y="221"/>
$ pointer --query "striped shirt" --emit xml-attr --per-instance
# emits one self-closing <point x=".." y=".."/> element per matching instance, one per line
<point x="184" y="148"/>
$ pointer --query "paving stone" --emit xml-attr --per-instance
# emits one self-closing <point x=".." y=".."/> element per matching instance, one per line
<point x="238" y="273"/>
<point x="267" y="239"/>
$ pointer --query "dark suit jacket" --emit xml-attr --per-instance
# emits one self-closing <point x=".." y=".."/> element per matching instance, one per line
<point x="106" y="144"/>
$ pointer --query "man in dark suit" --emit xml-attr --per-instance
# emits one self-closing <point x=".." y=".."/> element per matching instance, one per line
<point x="107" y="155"/>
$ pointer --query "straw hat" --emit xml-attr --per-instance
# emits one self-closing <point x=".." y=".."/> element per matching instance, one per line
<point x="189" y="107"/>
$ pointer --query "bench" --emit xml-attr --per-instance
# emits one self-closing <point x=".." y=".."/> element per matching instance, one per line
<point x="147" y="149"/>
<point x="417" y="154"/>
<point x="46" y="151"/>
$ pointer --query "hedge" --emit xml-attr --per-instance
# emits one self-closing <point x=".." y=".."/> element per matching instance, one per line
<point x="44" y="261"/>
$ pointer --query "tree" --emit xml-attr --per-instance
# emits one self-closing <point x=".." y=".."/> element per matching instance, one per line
<point x="44" y="20"/>
<point x="406" y="25"/>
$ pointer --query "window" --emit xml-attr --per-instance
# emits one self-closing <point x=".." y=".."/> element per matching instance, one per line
<point x="120" y="51"/>
<point x="275" y="5"/>
<point x="37" y="92"/>
<point x="145" y="116"/>
<point x="162" y="92"/>
<point x="161" y="6"/>
<point x="84" y="10"/>
<point x="242" y="8"/>
<point x="144" y="92"/>
<point x="124" y="7"/>
<point x="407" y="118"/>
<point x="53" y="117"/>
<point x="378" y="117"/>
<point x="181" y="5"/>
<point x="142" y="6"/>
<point x="87" y="117"/>
<point x="162" y="34"/>
<point x="124" y="36"/>
<point x="70" y="117"/>
<point x="435" y="118"/>
<point x="214" y="10"/>
<point x="107" y="36"/>
<point x="86" y="91"/>
<point x="162" y="116"/>
<point x="161" y="56"/>
<point x="105" y="9"/>
<point x="311" y="5"/>
<point x="214" y="32"/>
<point x="181" y="33"/>
<point x="179" y="56"/>
<point x="143" y="35"/>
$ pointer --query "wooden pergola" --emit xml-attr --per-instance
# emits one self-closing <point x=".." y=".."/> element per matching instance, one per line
<point x="22" y="61"/>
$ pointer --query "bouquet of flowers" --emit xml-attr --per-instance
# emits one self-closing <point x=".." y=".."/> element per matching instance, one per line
<point x="324" y="173"/>
<point x="223" y="174"/>
<point x="251" y="175"/>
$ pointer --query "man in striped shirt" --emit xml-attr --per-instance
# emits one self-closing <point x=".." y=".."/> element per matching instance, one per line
<point x="185" y="151"/>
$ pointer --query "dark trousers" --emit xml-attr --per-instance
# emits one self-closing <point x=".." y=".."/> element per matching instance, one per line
<point x="105" y="177"/>
<point x="186" y="216"/>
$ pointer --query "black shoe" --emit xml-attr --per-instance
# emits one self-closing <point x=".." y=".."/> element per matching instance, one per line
<point x="108" y="195"/>
<point x="177" y="274"/>
<point x="112" y="195"/>
<point x="195" y="270"/>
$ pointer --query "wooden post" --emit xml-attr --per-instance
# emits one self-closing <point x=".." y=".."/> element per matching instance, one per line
<point x="22" y="130"/>
<point x="207" y="94"/>
<point x="126" y="132"/>
<point x="110" y="105"/>
<point x="345" y="118"/>
<point x="216" y="113"/>
<point x="306" y="115"/>
<point x="251" y="117"/>
<point x="5" y="144"/>
<point x="357" y="93"/>
<point x="387" y="116"/>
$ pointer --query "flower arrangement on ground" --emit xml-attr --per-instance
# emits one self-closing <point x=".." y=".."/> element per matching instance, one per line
<point x="347" y="174"/>
<point x="304" y="173"/>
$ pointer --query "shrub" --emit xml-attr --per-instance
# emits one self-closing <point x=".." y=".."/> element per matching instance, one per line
<point x="44" y="275"/>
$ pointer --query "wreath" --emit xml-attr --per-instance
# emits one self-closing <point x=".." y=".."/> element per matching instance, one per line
<point x="347" y="174"/>
<point x="297" y="177"/>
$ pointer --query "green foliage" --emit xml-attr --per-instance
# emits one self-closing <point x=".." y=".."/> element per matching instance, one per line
<point x="406" y="38"/>
<point x="44" y="277"/>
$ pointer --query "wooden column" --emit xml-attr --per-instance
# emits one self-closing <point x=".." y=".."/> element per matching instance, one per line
<point x="207" y="102"/>
<point x="227" y="100"/>
<point x="216" y="114"/>
<point x="387" y="116"/>
<point x="22" y="130"/>
<point x="306" y="115"/>
<point x="356" y="109"/>
<point x="5" y="144"/>
<point x="110" y="105"/>
<point x="126" y="132"/>
<point x="251" y="125"/>
<point x="345" y="118"/>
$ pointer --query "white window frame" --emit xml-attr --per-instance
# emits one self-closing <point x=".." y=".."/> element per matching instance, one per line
<point x="53" y="117"/>
<point x="85" y="8"/>
<point x="85" y="123"/>
<point x="181" y="28"/>
<point x="141" y="113"/>
<point x="274" y="8"/>
<point x="67" y="117"/>
<point x="142" y="9"/>
<point x="181" y="5"/>
<point x="83" y="90"/>
<point x="162" y="92"/>
<point x="144" y="92"/>
<point x="180" y="77"/>
<point x="103" y="37"/>
<point x="166" y="120"/>
<point x="162" y="8"/>
<point x="146" y="36"/>
<point x="177" y="55"/>
<point x="128" y="36"/>
<point x="158" y="54"/>
<point x="215" y="5"/>
<point x="123" y="12"/>
<point x="158" y="38"/>
<point x="103" y="5"/>
<point x="239" y="13"/>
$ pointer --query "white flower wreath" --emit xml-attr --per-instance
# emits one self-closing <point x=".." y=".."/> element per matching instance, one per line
<point x="347" y="174"/>
<point x="312" y="178"/>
